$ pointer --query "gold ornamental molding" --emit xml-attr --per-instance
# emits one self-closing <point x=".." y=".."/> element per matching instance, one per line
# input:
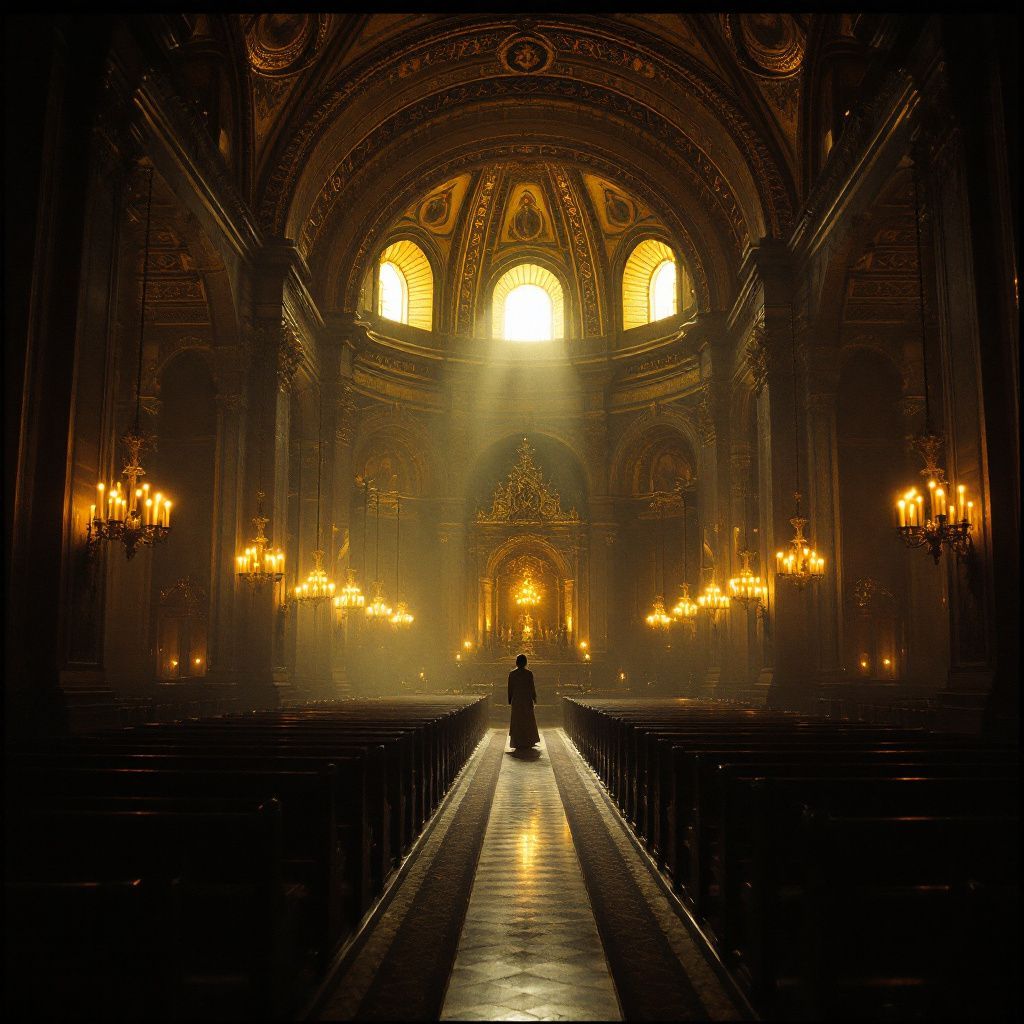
<point x="524" y="498"/>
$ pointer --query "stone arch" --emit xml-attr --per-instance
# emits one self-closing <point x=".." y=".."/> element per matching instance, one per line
<point x="521" y="542"/>
<point x="639" y="436"/>
<point x="382" y="435"/>
<point x="349" y="243"/>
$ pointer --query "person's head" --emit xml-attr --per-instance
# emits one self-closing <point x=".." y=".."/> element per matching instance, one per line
<point x="521" y="661"/>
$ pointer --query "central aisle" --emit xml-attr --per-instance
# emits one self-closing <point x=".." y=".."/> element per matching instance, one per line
<point x="529" y="947"/>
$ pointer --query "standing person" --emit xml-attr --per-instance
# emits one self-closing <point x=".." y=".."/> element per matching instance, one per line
<point x="522" y="695"/>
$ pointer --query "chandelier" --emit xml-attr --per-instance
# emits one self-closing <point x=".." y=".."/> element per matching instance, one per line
<point x="134" y="517"/>
<point x="527" y="595"/>
<point x="317" y="587"/>
<point x="950" y="516"/>
<point x="658" y="618"/>
<point x="713" y="601"/>
<point x="747" y="587"/>
<point x="352" y="596"/>
<point x="800" y="564"/>
<point x="257" y="566"/>
<point x="402" y="616"/>
<point x="685" y="609"/>
<point x="378" y="610"/>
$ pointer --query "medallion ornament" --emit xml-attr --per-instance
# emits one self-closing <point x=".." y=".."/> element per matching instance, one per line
<point x="526" y="54"/>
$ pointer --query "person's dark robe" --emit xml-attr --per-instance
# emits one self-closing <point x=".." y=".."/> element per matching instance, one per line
<point x="522" y="695"/>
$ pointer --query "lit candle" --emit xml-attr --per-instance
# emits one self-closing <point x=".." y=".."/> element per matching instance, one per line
<point x="970" y="511"/>
<point x="961" y="502"/>
<point x="919" y="511"/>
<point x="149" y="511"/>
<point x="167" y="514"/>
<point x="902" y="507"/>
<point x="939" y="505"/>
<point x="92" y="513"/>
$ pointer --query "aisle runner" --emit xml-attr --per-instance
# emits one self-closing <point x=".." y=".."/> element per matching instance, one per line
<point x="651" y="981"/>
<point x="529" y="948"/>
<point x="410" y="983"/>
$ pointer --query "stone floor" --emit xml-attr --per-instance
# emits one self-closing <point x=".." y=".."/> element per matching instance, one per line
<point x="529" y="948"/>
<point x="502" y="859"/>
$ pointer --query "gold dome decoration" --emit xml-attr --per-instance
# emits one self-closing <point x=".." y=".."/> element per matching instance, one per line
<point x="284" y="44"/>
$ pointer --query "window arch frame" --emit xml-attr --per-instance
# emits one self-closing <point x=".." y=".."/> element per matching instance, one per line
<point x="640" y="258"/>
<point x="528" y="270"/>
<point x="411" y="259"/>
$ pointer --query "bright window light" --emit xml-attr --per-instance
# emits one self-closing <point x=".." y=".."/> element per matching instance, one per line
<point x="528" y="314"/>
<point x="393" y="292"/>
<point x="663" y="290"/>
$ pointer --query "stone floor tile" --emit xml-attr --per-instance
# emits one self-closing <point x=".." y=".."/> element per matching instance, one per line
<point x="529" y="938"/>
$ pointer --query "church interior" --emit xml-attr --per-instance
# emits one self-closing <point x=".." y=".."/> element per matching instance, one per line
<point x="350" y="356"/>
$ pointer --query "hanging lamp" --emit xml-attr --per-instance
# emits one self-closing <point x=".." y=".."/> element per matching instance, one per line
<point x="351" y="596"/>
<point x="949" y="517"/>
<point x="402" y="616"/>
<point x="685" y="609"/>
<point x="711" y="599"/>
<point x="378" y="610"/>
<point x="658" y="618"/>
<point x="747" y="588"/>
<point x="135" y="517"/>
<point x="317" y="586"/>
<point x="800" y="564"/>
<point x="257" y="566"/>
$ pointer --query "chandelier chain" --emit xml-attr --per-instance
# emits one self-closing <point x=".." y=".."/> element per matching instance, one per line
<point x="142" y="313"/>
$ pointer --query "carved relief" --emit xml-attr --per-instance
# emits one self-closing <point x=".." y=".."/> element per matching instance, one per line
<point x="525" y="497"/>
<point x="526" y="54"/>
<point x="581" y="254"/>
<point x="283" y="44"/>
<point x="758" y="355"/>
<point x="471" y="263"/>
<point x="289" y="357"/>
<point x="770" y="45"/>
<point x="679" y="73"/>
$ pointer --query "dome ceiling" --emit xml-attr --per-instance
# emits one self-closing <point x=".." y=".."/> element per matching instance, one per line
<point x="477" y="225"/>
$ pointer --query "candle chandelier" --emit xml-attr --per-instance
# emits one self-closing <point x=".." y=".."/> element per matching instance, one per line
<point x="402" y="616"/>
<point x="527" y="595"/>
<point x="658" y="618"/>
<point x="378" y="610"/>
<point x="747" y="587"/>
<point x="685" y="609"/>
<point x="135" y="516"/>
<point x="800" y="564"/>
<point x="711" y="599"/>
<point x="318" y="587"/>
<point x="257" y="566"/>
<point x="351" y="596"/>
<point x="949" y="517"/>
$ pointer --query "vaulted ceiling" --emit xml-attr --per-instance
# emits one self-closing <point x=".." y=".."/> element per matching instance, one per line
<point x="355" y="118"/>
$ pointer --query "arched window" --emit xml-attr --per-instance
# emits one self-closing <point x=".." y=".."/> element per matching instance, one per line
<point x="393" y="294"/>
<point x="650" y="289"/>
<point x="527" y="305"/>
<point x="528" y="314"/>
<point x="405" y="286"/>
<point x="663" y="291"/>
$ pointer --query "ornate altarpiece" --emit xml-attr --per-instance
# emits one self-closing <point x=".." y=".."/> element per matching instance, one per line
<point x="527" y="530"/>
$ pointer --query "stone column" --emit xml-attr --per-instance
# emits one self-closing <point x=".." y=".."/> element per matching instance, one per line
<point x="228" y="479"/>
<point x="744" y="623"/>
<point x="823" y="497"/>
